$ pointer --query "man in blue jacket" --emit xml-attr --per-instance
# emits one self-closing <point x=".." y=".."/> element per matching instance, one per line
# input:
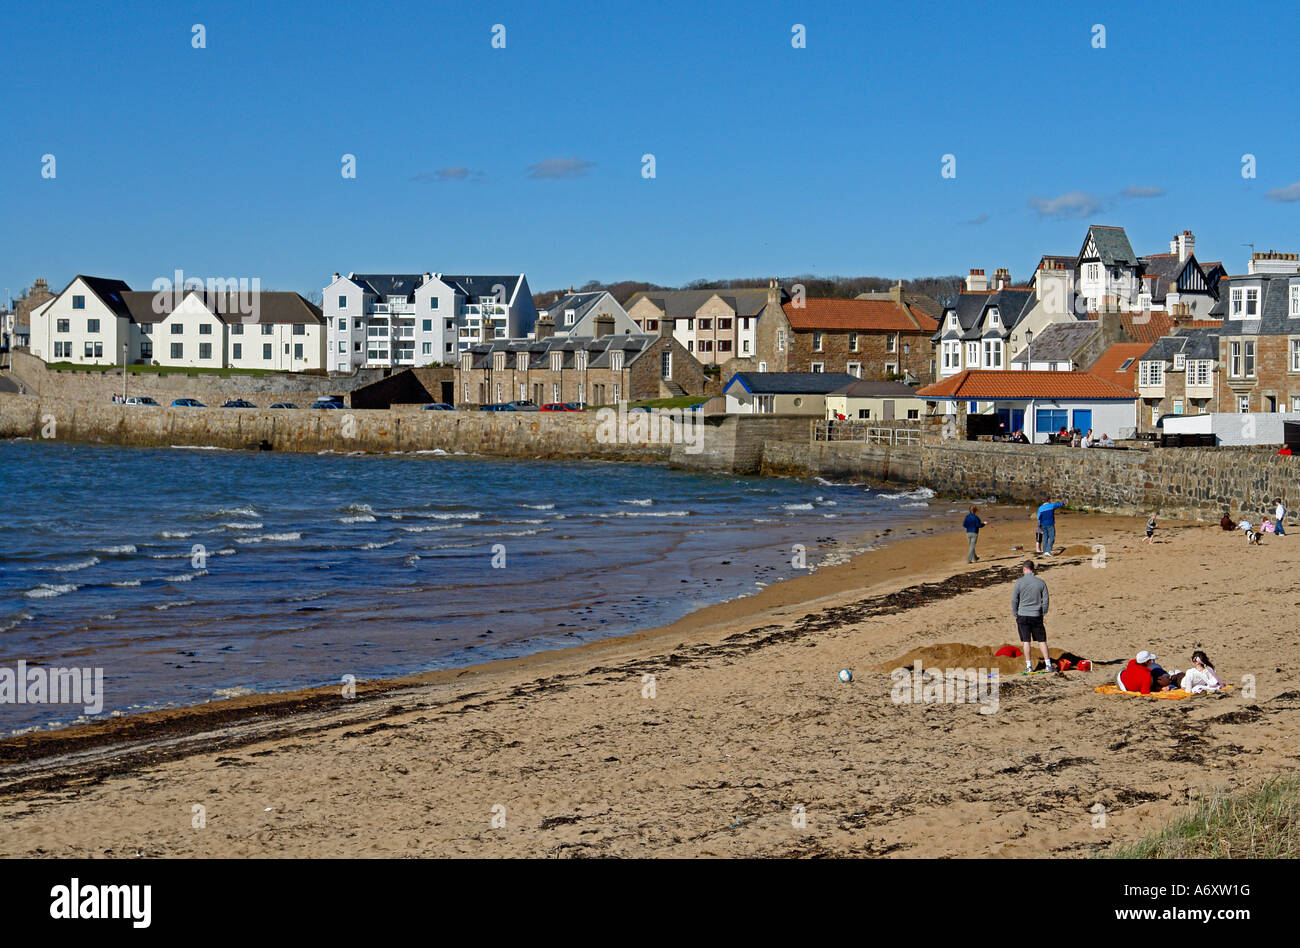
<point x="1047" y="520"/>
<point x="972" y="523"/>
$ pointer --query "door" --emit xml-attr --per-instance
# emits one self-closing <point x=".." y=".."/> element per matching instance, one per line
<point x="887" y="410"/>
<point x="1083" y="419"/>
<point x="667" y="363"/>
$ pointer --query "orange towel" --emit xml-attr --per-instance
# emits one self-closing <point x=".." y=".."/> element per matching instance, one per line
<point x="1175" y="695"/>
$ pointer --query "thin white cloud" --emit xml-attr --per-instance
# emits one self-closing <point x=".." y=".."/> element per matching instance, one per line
<point x="1290" y="193"/>
<point x="1071" y="204"/>
<point x="458" y="173"/>
<point x="1142" y="191"/>
<point x="560" y="168"/>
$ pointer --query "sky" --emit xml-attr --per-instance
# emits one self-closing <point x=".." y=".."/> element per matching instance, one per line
<point x="226" y="161"/>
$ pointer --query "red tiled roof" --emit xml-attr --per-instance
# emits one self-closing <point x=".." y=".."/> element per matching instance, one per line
<point x="979" y="384"/>
<point x="1144" y="326"/>
<point x="862" y="315"/>
<point x="1107" y="365"/>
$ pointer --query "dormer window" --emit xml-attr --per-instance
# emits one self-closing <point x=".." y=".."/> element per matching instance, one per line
<point x="952" y="320"/>
<point x="1245" y="302"/>
<point x="616" y="360"/>
<point x="521" y="362"/>
<point x="557" y="361"/>
<point x="994" y="320"/>
<point x="568" y="317"/>
<point x="1180" y="362"/>
<point x="499" y="361"/>
<point x="1294" y="309"/>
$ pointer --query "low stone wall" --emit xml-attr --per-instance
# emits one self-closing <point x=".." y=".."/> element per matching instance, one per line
<point x="1186" y="483"/>
<point x="506" y="434"/>
<point x="100" y="387"/>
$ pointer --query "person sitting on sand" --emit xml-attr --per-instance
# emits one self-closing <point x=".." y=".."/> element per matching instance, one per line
<point x="1226" y="524"/>
<point x="1201" y="677"/>
<point x="1151" y="530"/>
<point x="1267" y="526"/>
<point x="1136" y="675"/>
<point x="1162" y="680"/>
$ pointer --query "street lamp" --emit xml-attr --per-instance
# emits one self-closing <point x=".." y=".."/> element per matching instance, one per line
<point x="124" y="345"/>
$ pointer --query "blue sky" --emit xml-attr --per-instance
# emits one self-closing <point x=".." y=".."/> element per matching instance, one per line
<point x="226" y="161"/>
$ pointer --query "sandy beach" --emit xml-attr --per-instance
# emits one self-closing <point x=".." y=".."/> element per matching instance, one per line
<point x="742" y="741"/>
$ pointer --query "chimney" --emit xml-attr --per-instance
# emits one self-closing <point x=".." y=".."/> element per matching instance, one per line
<point x="774" y="293"/>
<point x="977" y="282"/>
<point x="1001" y="277"/>
<point x="1186" y="245"/>
<point x="896" y="293"/>
<point x="485" y="333"/>
<point x="544" y="327"/>
<point x="427" y="277"/>
<point x="1273" y="261"/>
<point x="604" y="325"/>
<point x="666" y="324"/>
<point x="1112" y="328"/>
<point x="336" y="276"/>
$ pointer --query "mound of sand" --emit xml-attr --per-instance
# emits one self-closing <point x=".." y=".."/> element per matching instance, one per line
<point x="961" y="655"/>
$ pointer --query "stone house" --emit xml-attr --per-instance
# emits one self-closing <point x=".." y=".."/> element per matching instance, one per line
<point x="1259" y="342"/>
<point x="867" y="339"/>
<point x="588" y="370"/>
<point x="715" y="326"/>
<point x="1178" y="375"/>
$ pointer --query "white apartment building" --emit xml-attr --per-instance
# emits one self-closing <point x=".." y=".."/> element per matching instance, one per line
<point x="390" y="320"/>
<point x="104" y="322"/>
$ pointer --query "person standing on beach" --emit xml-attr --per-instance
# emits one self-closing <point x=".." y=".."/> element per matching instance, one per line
<point x="1279" y="512"/>
<point x="1029" y="605"/>
<point x="1047" y="521"/>
<point x="972" y="523"/>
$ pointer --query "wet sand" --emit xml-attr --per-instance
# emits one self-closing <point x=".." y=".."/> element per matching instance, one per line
<point x="744" y="742"/>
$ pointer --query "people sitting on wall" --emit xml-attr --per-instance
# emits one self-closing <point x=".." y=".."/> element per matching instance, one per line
<point x="1104" y="441"/>
<point x="1087" y="441"/>
<point x="1018" y="437"/>
<point x="1076" y="439"/>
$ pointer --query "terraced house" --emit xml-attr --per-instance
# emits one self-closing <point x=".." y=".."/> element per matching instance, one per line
<point x="100" y="321"/>
<point x="411" y="319"/>
<point x="874" y="339"/>
<point x="1178" y="375"/>
<point x="1259" y="343"/>
<point x="713" y="325"/>
<point x="976" y="331"/>
<point x="587" y="370"/>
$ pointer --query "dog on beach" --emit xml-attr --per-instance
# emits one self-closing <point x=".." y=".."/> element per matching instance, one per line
<point x="1253" y="536"/>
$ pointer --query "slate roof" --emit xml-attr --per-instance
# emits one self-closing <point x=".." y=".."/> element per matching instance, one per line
<point x="1012" y="303"/>
<point x="110" y="291"/>
<point x="539" y="351"/>
<point x="791" y="383"/>
<point x="682" y="304"/>
<point x="858" y="314"/>
<point x="1274" y="306"/>
<point x="1058" y="342"/>
<point x="580" y="303"/>
<point x="864" y="388"/>
<point x="384" y="285"/>
<point x="1196" y="344"/>
<point x="267" y="306"/>
<point x="1113" y="248"/>
<point x="991" y="385"/>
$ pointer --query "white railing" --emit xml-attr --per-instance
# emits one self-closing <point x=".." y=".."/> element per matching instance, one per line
<point x="856" y="431"/>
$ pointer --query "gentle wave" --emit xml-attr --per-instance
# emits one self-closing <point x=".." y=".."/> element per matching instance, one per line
<point x="50" y="590"/>
<point x="120" y="550"/>
<point x="73" y="567"/>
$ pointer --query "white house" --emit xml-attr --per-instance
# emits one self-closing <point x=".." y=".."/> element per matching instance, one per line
<point x="1039" y="403"/>
<point x="104" y="322"/>
<point x="403" y="319"/>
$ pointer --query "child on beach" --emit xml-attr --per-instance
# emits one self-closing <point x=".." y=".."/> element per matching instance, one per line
<point x="1151" y="530"/>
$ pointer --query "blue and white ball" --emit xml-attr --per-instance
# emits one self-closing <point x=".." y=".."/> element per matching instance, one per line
<point x="846" y="676"/>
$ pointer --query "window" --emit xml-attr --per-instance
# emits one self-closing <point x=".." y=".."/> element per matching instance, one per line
<point x="762" y="367"/>
<point x="780" y="341"/>
<point x="92" y="325"/>
<point x="499" y="362"/>
<point x="1245" y="302"/>
<point x="725" y="324"/>
<point x="1243" y="403"/>
<point x="498" y="391"/>
<point x="178" y="350"/>
<point x="952" y="355"/>
<point x="891" y="342"/>
<point x="1295" y="299"/>
<point x="557" y="361"/>
<point x="427" y="325"/>
<point x="853" y="342"/>
<point x="891" y="368"/>
<point x="63" y="325"/>
<point x="237" y="350"/>
<point x="817" y="367"/>
<point x="205" y="329"/>
<point x="569" y="317"/>
<point x="1295" y="355"/>
<point x="1051" y="420"/>
<point x="1242" y="359"/>
<point x="205" y="350"/>
<point x="267" y="329"/>
<point x="706" y="324"/>
<point x="297" y="350"/>
<point x="1198" y="372"/>
<point x="854" y="369"/>
<point x="992" y="353"/>
<point x="343" y="346"/>
<point x="913" y="414"/>
<point x="343" y="303"/>
<point x="724" y="345"/>
<point x="266" y="351"/>
<point x="433" y="302"/>
<point x="78" y="302"/>
<point x="1295" y="402"/>
<point x="343" y="324"/>
<point x="764" y="404"/>
<point x="972" y="355"/>
<point x="864" y="414"/>
<point x="616" y="361"/>
<point x="744" y="346"/>
<point x="1151" y="374"/>
<point x="521" y="363"/>
<point x="90" y="350"/>
<point x="580" y="361"/>
<point x="450" y="325"/>
<point x="1252" y="301"/>
<point x="300" y="329"/>
<point x="356" y="324"/>
<point x="237" y="329"/>
<point x="817" y="342"/>
<point x="146" y="349"/>
<point x="178" y="329"/>
<point x="426" y="348"/>
<point x="555" y="391"/>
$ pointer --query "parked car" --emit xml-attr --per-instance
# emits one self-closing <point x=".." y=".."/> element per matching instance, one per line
<point x="500" y="406"/>
<point x="574" y="406"/>
<point x="698" y="406"/>
<point x="238" y="403"/>
<point x="523" y="405"/>
<point x="327" y="405"/>
<point x="437" y="406"/>
<point x="555" y="406"/>
<point x="284" y="405"/>
<point x="641" y="408"/>
<point x="141" y="400"/>
<point x="187" y="403"/>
